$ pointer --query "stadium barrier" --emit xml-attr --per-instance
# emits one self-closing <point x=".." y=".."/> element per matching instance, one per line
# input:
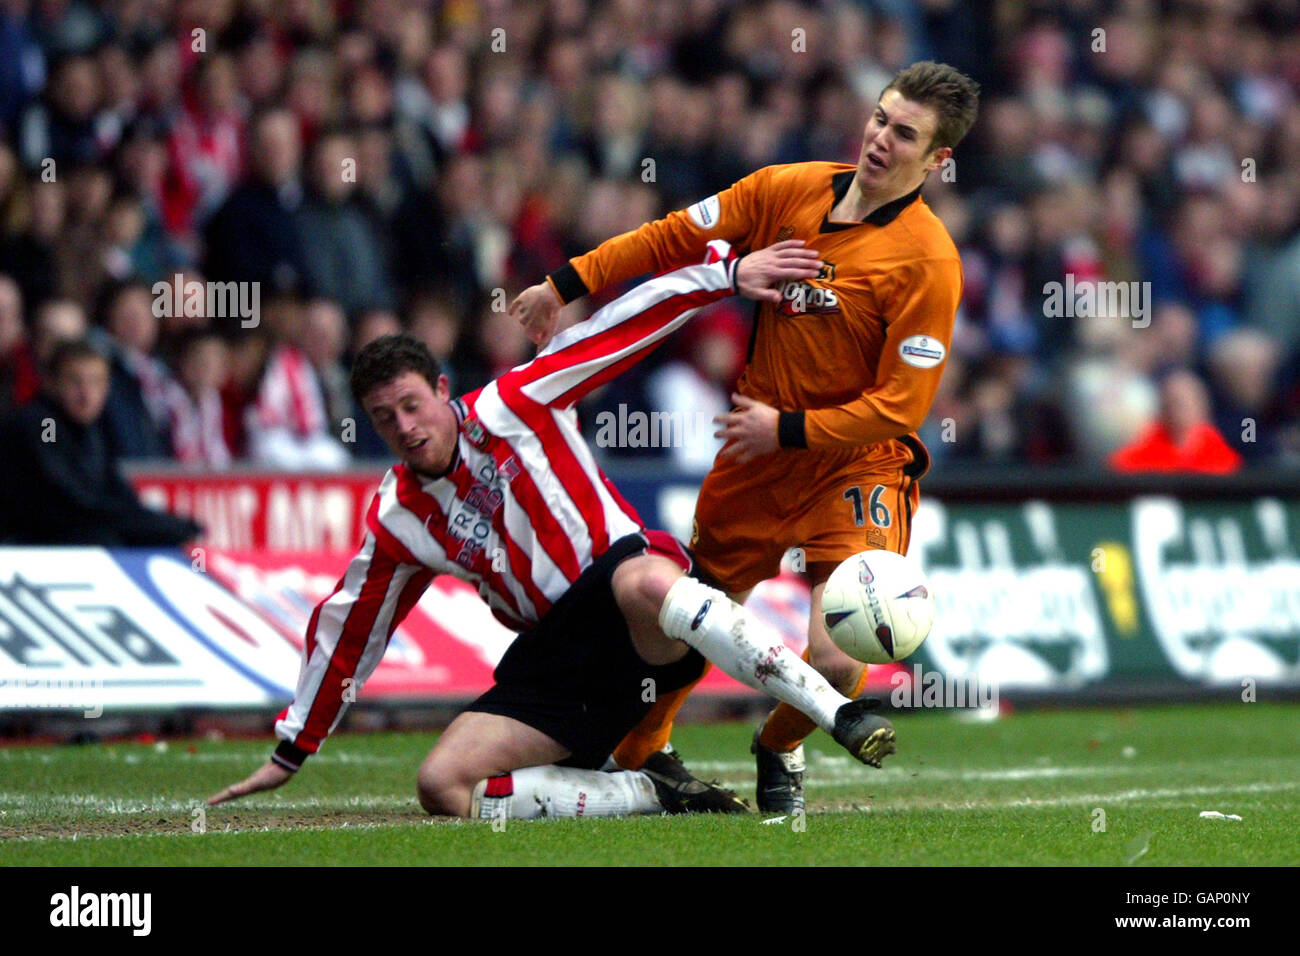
<point x="1049" y="586"/>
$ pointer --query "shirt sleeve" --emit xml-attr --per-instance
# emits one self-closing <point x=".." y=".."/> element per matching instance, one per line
<point x="676" y="240"/>
<point x="590" y="353"/>
<point x="345" y="641"/>
<point x="920" y="310"/>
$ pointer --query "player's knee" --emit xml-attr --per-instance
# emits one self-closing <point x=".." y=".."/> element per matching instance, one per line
<point x="441" y="790"/>
<point x="644" y="586"/>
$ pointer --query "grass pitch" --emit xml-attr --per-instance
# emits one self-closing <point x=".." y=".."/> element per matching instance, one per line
<point x="1092" y="787"/>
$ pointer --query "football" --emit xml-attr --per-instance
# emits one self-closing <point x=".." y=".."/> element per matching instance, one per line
<point x="877" y="606"/>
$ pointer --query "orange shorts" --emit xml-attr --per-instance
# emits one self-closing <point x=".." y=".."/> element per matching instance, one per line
<point x="748" y="516"/>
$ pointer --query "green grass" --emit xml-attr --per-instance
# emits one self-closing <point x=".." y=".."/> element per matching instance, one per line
<point x="1022" y="790"/>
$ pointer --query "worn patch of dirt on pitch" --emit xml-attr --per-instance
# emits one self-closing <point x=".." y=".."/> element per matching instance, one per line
<point x="116" y="826"/>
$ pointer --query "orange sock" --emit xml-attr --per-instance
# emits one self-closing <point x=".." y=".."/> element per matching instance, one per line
<point x="786" y="728"/>
<point x="656" y="727"/>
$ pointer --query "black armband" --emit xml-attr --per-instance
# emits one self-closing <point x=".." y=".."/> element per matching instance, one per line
<point x="568" y="283"/>
<point x="289" y="757"/>
<point x="789" y="430"/>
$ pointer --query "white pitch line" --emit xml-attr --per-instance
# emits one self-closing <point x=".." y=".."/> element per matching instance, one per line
<point x="824" y="769"/>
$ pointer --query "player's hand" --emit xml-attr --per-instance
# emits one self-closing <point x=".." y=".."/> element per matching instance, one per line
<point x="750" y="429"/>
<point x="268" y="776"/>
<point x="784" y="261"/>
<point x="538" y="310"/>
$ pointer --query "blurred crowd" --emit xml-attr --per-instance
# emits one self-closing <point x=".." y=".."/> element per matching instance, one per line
<point x="378" y="165"/>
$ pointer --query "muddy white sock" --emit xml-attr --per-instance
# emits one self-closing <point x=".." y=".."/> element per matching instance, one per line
<point x="551" y="791"/>
<point x="725" y="633"/>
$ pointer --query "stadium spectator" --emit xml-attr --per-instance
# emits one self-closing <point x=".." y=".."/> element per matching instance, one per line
<point x="324" y="342"/>
<point x="205" y="146"/>
<point x="437" y="323"/>
<point x="1243" y="367"/>
<point x="62" y="127"/>
<point x="248" y="354"/>
<point x="57" y="320"/>
<point x="63" y="485"/>
<point x="287" y="424"/>
<point x="1183" y="438"/>
<point x="19" y="379"/>
<point x="254" y="236"/>
<point x="137" y="417"/>
<point x="197" y="433"/>
<point x="346" y="263"/>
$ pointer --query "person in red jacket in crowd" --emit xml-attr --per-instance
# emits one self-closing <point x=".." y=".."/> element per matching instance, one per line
<point x="1182" y="438"/>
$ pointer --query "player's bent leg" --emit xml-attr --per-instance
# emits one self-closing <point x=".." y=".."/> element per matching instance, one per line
<point x="640" y="585"/>
<point x="477" y="746"/>
<point x="492" y="767"/>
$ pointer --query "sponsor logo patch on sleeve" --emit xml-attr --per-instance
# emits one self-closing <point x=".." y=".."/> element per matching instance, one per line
<point x="921" y="351"/>
<point x="705" y="213"/>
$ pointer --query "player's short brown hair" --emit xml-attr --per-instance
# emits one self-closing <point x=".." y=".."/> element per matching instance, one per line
<point x="386" y="358"/>
<point x="953" y="95"/>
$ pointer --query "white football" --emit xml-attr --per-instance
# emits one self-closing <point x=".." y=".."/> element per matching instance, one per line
<point x="877" y="607"/>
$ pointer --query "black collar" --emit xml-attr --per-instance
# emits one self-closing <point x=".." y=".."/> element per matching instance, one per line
<point x="880" y="217"/>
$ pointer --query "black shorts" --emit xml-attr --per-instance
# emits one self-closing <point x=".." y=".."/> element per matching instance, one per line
<point x="576" y="676"/>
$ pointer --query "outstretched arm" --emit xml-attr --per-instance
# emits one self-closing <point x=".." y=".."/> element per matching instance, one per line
<point x="344" y="643"/>
<point x="587" y="355"/>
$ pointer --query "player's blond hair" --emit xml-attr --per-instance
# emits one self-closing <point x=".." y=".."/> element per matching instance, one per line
<point x="953" y="95"/>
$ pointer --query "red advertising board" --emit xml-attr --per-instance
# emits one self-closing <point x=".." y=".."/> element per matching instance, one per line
<point x="272" y="512"/>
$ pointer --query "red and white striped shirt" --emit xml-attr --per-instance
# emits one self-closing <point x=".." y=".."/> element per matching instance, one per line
<point x="522" y="513"/>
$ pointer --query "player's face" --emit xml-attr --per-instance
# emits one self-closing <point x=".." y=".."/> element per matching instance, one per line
<point x="894" y="158"/>
<point x="415" y="421"/>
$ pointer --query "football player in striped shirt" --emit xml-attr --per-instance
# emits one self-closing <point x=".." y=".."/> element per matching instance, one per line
<point x="498" y="488"/>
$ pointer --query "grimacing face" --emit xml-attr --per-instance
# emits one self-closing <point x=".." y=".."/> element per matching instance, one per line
<point x="895" y="156"/>
<point x="81" y="388"/>
<point x="415" y="421"/>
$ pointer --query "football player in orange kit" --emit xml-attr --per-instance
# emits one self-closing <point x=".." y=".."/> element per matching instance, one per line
<point x="821" y="450"/>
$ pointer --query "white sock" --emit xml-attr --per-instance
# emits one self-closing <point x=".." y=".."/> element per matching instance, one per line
<point x="551" y="791"/>
<point x="722" y="631"/>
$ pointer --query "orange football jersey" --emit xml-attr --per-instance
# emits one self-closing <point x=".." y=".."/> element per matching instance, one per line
<point x="856" y="353"/>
